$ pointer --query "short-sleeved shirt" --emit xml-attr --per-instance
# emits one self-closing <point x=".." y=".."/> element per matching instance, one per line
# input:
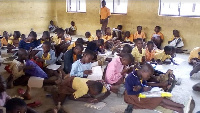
<point x="159" y="34"/>
<point x="81" y="88"/>
<point x="91" y="38"/>
<point x="137" y="55"/>
<point x="129" y="39"/>
<point x="105" y="12"/>
<point x="194" y="54"/>
<point x="160" y="55"/>
<point x="4" y="42"/>
<point x="56" y="40"/>
<point x="106" y="38"/>
<point x="141" y="35"/>
<point x="71" y="46"/>
<point x="149" y="55"/>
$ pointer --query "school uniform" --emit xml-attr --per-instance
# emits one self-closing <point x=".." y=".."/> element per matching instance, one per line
<point x="157" y="40"/>
<point x="57" y="40"/>
<point x="93" y="47"/>
<point x="69" y="59"/>
<point x="14" y="42"/>
<point x="194" y="54"/>
<point x="129" y="39"/>
<point x="4" y="42"/>
<point x="104" y="13"/>
<point x="78" y="69"/>
<point x="50" y="59"/>
<point x="160" y="55"/>
<point x="75" y="86"/>
<point x="176" y="42"/>
<point x="131" y="97"/>
<point x="106" y="38"/>
<point x="158" y="34"/>
<point x="27" y="45"/>
<point x="137" y="55"/>
<point x="149" y="55"/>
<point x="141" y="35"/>
<point x="71" y="46"/>
<point x="113" y="71"/>
<point x="90" y="38"/>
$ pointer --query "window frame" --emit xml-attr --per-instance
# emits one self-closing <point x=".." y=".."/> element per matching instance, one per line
<point x="179" y="10"/>
<point x="67" y="10"/>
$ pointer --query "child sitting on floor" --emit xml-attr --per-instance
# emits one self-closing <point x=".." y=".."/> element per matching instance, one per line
<point x="194" y="56"/>
<point x="136" y="84"/>
<point x="45" y="37"/>
<point x="52" y="27"/>
<point x="59" y="37"/>
<point x="71" y="56"/>
<point x="176" y="41"/>
<point x="47" y="55"/>
<point x="161" y="56"/>
<point x="23" y="36"/>
<point x="13" y="42"/>
<point x="128" y="37"/>
<point x="157" y="37"/>
<point x="117" y="32"/>
<point x="108" y="35"/>
<point x="4" y="40"/>
<point x="138" y="52"/>
<point x="89" y="36"/>
<point x="96" y="46"/>
<point x="73" y="28"/>
<point x="83" y="67"/>
<point x="117" y="70"/>
<point x="139" y="33"/>
<point x="150" y="52"/>
<point x="98" y="35"/>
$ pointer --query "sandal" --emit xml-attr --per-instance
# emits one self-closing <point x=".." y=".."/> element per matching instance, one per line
<point x="34" y="104"/>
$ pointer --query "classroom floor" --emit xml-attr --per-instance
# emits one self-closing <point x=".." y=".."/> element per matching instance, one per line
<point x="115" y="104"/>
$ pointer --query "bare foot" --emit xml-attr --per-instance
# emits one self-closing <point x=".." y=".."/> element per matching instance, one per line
<point x="27" y="95"/>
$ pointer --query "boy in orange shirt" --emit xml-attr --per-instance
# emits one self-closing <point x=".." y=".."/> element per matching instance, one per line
<point x="157" y="37"/>
<point x="150" y="52"/>
<point x="104" y="16"/>
<point x="139" y="33"/>
<point x="128" y="37"/>
<point x="4" y="40"/>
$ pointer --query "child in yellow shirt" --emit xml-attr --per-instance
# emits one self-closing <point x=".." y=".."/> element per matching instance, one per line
<point x="194" y="56"/>
<point x="138" y="52"/>
<point x="108" y="35"/>
<point x="89" y="36"/>
<point x="98" y="35"/>
<point x="4" y="40"/>
<point x="59" y="37"/>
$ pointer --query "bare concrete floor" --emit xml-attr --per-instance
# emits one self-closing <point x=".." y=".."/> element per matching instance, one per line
<point x="115" y="104"/>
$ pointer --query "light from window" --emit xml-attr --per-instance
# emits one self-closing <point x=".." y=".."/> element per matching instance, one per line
<point x="76" y="5"/>
<point x="117" y="6"/>
<point x="190" y="8"/>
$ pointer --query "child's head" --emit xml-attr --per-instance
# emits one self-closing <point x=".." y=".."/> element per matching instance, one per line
<point x="78" y="49"/>
<point x="23" y="36"/>
<point x="46" y="46"/>
<point x="72" y="23"/>
<point x="45" y="36"/>
<point x="95" y="88"/>
<point x="100" y="42"/>
<point x="126" y="59"/>
<point x="119" y="27"/>
<point x="88" y="56"/>
<point x="139" y="43"/>
<point x="127" y="49"/>
<point x="150" y="45"/>
<point x="103" y="3"/>
<point x="146" y="71"/>
<point x="32" y="36"/>
<point x="79" y="41"/>
<point x="51" y="22"/>
<point x="98" y="33"/>
<point x="157" y="29"/>
<point x="16" y="34"/>
<point x="108" y="31"/>
<point x="60" y="32"/>
<point x="16" y="105"/>
<point x="87" y="34"/>
<point x="22" y="54"/>
<point x="176" y="33"/>
<point x="5" y="34"/>
<point x="168" y="50"/>
<point x="139" y="28"/>
<point x="127" y="34"/>
<point x="2" y="84"/>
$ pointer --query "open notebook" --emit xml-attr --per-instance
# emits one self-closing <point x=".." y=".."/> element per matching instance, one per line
<point x="97" y="73"/>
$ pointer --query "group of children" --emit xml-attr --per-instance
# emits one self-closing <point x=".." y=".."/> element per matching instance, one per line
<point x="128" y="69"/>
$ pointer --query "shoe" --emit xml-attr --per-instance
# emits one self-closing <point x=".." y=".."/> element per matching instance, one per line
<point x="129" y="109"/>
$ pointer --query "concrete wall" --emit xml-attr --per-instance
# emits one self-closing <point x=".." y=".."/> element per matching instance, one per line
<point x="22" y="15"/>
<point x="140" y="12"/>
